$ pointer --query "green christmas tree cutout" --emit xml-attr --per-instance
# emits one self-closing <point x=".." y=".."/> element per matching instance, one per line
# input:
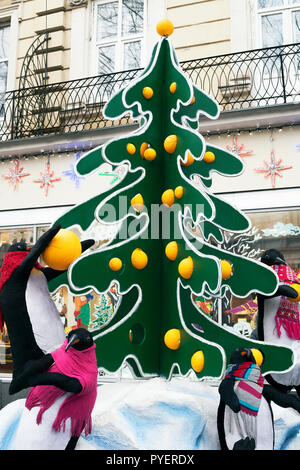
<point x="156" y="259"/>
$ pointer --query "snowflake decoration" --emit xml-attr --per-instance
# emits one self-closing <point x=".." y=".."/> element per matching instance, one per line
<point x="238" y="149"/>
<point x="273" y="168"/>
<point x="117" y="174"/>
<point x="72" y="174"/>
<point x="47" y="179"/>
<point x="15" y="174"/>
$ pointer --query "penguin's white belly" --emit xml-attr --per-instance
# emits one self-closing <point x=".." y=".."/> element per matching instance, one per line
<point x="45" y="320"/>
<point x="292" y="377"/>
<point x="33" y="436"/>
<point x="239" y="426"/>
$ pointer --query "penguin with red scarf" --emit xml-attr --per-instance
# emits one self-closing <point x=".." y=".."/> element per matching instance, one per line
<point x="32" y="320"/>
<point x="278" y="320"/>
<point x="59" y="405"/>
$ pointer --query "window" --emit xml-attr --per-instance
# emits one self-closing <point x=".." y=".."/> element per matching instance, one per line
<point x="279" y="22"/>
<point x="4" y="45"/>
<point x="119" y="31"/>
<point x="270" y="229"/>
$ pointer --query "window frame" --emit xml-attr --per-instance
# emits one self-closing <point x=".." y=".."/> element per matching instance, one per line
<point x="120" y="40"/>
<point x="287" y="11"/>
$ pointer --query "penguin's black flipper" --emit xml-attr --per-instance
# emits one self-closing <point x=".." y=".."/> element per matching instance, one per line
<point x="287" y="291"/>
<point x="21" y="377"/>
<point x="51" y="273"/>
<point x="228" y="396"/>
<point x="65" y="382"/>
<point x="285" y="400"/>
<point x="245" y="444"/>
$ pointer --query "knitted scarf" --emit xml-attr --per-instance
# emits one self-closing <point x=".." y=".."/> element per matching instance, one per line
<point x="11" y="261"/>
<point x="78" y="406"/>
<point x="249" y="385"/>
<point x="287" y="315"/>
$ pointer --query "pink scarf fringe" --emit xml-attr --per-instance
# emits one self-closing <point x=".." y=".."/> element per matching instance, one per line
<point x="78" y="407"/>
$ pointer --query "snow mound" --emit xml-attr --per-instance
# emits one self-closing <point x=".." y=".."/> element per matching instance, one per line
<point x="156" y="414"/>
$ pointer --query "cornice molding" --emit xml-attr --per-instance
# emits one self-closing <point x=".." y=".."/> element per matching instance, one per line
<point x="77" y="3"/>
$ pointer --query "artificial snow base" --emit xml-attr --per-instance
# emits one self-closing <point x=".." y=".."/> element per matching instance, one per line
<point x="156" y="414"/>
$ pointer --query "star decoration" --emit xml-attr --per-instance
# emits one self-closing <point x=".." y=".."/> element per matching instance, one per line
<point x="116" y="175"/>
<point x="273" y="168"/>
<point x="47" y="179"/>
<point x="15" y="174"/>
<point x="72" y="174"/>
<point x="238" y="149"/>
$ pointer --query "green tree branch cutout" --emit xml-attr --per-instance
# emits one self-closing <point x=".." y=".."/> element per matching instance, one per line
<point x="157" y="272"/>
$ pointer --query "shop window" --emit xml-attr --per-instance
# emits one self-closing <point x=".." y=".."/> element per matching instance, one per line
<point x="272" y="229"/>
<point x="4" y="47"/>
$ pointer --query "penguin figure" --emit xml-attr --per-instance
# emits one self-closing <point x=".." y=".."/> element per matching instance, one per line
<point x="245" y="419"/>
<point x="32" y="320"/>
<point x="275" y="322"/>
<point x="59" y="404"/>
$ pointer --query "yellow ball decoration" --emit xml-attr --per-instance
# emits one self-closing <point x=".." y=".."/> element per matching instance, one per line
<point x="63" y="249"/>
<point x="178" y="192"/>
<point x="165" y="27"/>
<point x="226" y="269"/>
<point x="149" y="154"/>
<point x="137" y="202"/>
<point x="186" y="267"/>
<point x="147" y="92"/>
<point x="130" y="149"/>
<point x="171" y="251"/>
<point x="258" y="356"/>
<point x="167" y="197"/>
<point x="115" y="264"/>
<point x="139" y="259"/>
<point x="297" y="288"/>
<point x="173" y="87"/>
<point x="143" y="147"/>
<point x="197" y="361"/>
<point x="172" y="339"/>
<point x="189" y="161"/>
<point x="170" y="143"/>
<point x="209" y="157"/>
<point x="193" y="100"/>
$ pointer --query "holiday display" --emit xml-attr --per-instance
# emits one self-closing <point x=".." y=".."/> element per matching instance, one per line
<point x="31" y="317"/>
<point x="238" y="149"/>
<point x="59" y="405"/>
<point x="165" y="250"/>
<point x="273" y="168"/>
<point x="72" y="174"/>
<point x="15" y="174"/>
<point x="278" y="319"/>
<point x="245" y="420"/>
<point x="47" y="179"/>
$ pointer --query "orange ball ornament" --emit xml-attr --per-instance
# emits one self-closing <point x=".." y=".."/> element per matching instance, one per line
<point x="170" y="143"/>
<point x="197" y="361"/>
<point x="167" y="197"/>
<point x="190" y="159"/>
<point x="139" y="259"/>
<point x="63" y="249"/>
<point x="149" y="154"/>
<point x="172" y="339"/>
<point x="131" y="149"/>
<point x="209" y="157"/>
<point x="171" y="250"/>
<point x="226" y="269"/>
<point x="115" y="264"/>
<point x="297" y="288"/>
<point x="147" y="92"/>
<point x="178" y="192"/>
<point x="186" y="267"/>
<point x="165" y="27"/>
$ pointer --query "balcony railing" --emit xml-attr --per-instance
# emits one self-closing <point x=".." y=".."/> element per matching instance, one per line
<point x="251" y="79"/>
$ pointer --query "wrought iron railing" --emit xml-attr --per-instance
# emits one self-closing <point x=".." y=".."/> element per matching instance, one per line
<point x="250" y="79"/>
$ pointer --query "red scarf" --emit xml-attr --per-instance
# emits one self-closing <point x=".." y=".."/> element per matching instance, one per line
<point x="78" y="406"/>
<point x="287" y="315"/>
<point x="11" y="261"/>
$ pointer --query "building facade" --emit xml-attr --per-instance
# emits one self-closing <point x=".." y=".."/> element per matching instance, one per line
<point x="60" y="60"/>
